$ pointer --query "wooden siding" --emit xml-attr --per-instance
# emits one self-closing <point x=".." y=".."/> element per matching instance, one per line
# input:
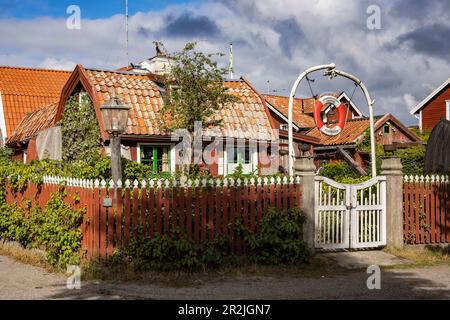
<point x="434" y="111"/>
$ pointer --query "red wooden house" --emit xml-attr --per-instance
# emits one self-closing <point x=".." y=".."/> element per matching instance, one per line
<point x="434" y="108"/>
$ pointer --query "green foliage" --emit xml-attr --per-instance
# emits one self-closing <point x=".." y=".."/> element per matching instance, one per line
<point x="338" y="171"/>
<point x="413" y="160"/>
<point x="80" y="131"/>
<point x="424" y="135"/>
<point x="280" y="239"/>
<point x="13" y="225"/>
<point x="195" y="90"/>
<point x="6" y="154"/>
<point x="169" y="253"/>
<point x="56" y="229"/>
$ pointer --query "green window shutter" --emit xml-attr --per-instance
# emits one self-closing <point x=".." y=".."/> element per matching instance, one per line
<point x="155" y="160"/>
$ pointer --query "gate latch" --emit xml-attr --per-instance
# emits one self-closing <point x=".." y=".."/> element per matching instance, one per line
<point x="350" y="207"/>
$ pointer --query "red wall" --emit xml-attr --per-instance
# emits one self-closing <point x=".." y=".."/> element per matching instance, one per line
<point x="434" y="111"/>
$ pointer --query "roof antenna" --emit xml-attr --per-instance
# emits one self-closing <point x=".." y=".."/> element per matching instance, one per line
<point x="126" y="27"/>
<point x="268" y="86"/>
<point x="230" y="68"/>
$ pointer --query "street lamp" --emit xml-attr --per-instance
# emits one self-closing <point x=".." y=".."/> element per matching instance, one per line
<point x="115" y="118"/>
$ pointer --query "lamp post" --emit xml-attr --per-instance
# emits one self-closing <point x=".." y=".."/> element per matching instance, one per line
<point x="115" y="118"/>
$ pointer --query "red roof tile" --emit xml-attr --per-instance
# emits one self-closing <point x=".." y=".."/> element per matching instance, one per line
<point x="246" y="118"/>
<point x="301" y="107"/>
<point x="34" y="122"/>
<point x="350" y="134"/>
<point x="24" y="90"/>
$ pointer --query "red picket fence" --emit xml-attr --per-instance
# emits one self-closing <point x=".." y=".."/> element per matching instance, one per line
<point x="426" y="213"/>
<point x="197" y="210"/>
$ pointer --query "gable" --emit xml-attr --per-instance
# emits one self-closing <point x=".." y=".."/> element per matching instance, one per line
<point x="431" y="97"/>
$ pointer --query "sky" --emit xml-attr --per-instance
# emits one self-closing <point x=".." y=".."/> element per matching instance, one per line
<point x="402" y="54"/>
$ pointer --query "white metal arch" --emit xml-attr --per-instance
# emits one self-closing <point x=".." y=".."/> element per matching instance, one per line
<point x="332" y="72"/>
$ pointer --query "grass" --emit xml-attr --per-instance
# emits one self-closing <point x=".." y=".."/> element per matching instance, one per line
<point x="423" y="256"/>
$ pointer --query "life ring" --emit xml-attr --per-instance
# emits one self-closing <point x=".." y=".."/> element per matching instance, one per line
<point x="318" y="115"/>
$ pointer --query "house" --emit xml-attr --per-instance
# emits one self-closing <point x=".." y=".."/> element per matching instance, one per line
<point x="23" y="90"/>
<point x="388" y="130"/>
<point x="434" y="108"/>
<point x="246" y="129"/>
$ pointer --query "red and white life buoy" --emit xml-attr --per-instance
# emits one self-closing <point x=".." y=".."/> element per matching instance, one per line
<point x="318" y="115"/>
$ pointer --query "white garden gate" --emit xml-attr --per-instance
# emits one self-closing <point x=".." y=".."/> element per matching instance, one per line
<point x="350" y="216"/>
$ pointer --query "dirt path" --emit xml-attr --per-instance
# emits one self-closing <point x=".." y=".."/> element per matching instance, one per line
<point x="20" y="281"/>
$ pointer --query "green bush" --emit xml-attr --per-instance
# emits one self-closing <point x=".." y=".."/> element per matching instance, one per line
<point x="56" y="229"/>
<point x="338" y="171"/>
<point x="413" y="160"/>
<point x="169" y="253"/>
<point x="280" y="239"/>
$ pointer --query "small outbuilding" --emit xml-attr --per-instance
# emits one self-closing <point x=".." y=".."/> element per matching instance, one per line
<point x="437" y="157"/>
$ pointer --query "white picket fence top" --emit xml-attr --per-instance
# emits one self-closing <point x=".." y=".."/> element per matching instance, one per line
<point x="183" y="182"/>
<point x="427" y="179"/>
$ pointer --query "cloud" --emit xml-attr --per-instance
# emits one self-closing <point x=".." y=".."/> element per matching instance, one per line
<point x="189" y="25"/>
<point x="57" y="64"/>
<point x="273" y="40"/>
<point x="410" y="100"/>
<point x="429" y="40"/>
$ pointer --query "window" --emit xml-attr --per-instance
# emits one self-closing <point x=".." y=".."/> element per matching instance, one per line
<point x="447" y="110"/>
<point x="387" y="129"/>
<point x="240" y="155"/>
<point x="158" y="157"/>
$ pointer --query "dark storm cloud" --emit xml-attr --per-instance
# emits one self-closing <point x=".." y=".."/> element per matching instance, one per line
<point x="429" y="40"/>
<point x="420" y="9"/>
<point x="291" y="36"/>
<point x="190" y="25"/>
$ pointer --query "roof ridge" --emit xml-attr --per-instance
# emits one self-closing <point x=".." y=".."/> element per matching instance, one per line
<point x="34" y="69"/>
<point x="130" y="73"/>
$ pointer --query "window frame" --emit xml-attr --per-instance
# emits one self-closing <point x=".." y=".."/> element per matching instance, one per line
<point x="171" y="153"/>
<point x="447" y="110"/>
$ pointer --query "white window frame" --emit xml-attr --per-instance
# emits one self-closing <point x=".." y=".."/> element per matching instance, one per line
<point x="171" y="151"/>
<point x="2" y="121"/>
<point x="447" y="110"/>
<point x="223" y="169"/>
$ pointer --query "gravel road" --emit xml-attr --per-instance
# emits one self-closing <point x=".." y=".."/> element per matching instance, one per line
<point x="21" y="281"/>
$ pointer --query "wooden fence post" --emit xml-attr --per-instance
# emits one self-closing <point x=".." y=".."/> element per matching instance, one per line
<point x="391" y="167"/>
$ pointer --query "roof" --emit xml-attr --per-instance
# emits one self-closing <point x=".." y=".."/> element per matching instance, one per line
<point x="417" y="108"/>
<point x="301" y="106"/>
<point x="350" y="134"/>
<point x="354" y="129"/>
<point x="24" y="90"/>
<point x="437" y="157"/>
<point x="247" y="118"/>
<point x="34" y="122"/>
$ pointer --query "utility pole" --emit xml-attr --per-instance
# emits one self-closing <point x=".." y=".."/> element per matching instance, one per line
<point x="126" y="28"/>
<point x="231" y="62"/>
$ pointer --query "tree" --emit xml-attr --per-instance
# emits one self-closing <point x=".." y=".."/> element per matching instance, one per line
<point x="195" y="90"/>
